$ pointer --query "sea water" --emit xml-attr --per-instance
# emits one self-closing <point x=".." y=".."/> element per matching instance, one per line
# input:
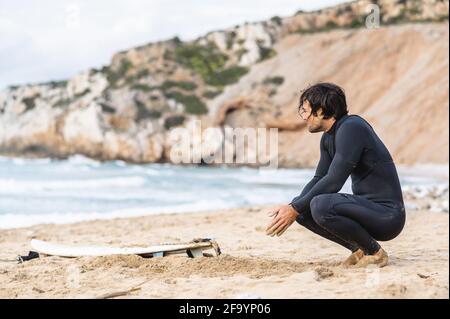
<point x="35" y="191"/>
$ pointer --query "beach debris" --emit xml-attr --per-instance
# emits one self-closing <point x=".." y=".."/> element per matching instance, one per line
<point x="119" y="293"/>
<point x="20" y="259"/>
<point x="434" y="198"/>
<point x="31" y="255"/>
<point x="424" y="191"/>
<point x="426" y="276"/>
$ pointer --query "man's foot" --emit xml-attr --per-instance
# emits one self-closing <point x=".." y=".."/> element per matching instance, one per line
<point x="353" y="258"/>
<point x="380" y="259"/>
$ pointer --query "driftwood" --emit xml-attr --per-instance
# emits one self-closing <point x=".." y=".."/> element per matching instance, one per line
<point x="119" y="293"/>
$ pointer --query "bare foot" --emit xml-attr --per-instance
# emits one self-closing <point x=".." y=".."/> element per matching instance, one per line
<point x="380" y="258"/>
<point x="353" y="258"/>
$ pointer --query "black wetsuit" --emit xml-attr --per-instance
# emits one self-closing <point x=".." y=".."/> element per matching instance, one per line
<point x="375" y="210"/>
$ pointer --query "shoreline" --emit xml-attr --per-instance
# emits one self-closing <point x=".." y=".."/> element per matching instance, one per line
<point x="416" y="197"/>
<point x="298" y="264"/>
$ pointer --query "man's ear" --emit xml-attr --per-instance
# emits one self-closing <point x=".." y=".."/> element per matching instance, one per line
<point x="320" y="113"/>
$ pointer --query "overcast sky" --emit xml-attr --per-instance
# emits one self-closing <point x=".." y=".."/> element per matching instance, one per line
<point x="43" y="40"/>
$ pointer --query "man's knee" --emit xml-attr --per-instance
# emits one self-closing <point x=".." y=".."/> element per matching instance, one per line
<point x="321" y="208"/>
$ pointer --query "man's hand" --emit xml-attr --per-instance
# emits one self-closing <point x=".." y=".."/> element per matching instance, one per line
<point x="284" y="216"/>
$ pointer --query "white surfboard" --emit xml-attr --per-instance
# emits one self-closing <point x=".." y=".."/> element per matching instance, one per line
<point x="193" y="249"/>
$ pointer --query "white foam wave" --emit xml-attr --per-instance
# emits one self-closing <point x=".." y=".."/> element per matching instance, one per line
<point x="12" y="186"/>
<point x="8" y="221"/>
<point x="82" y="160"/>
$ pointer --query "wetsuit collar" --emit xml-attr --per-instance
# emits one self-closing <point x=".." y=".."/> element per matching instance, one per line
<point x="332" y="130"/>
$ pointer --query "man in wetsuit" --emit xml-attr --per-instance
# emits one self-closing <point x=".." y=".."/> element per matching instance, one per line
<point x="349" y="147"/>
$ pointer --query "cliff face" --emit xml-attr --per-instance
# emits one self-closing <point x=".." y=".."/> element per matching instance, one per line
<point x="250" y="76"/>
<point x="395" y="77"/>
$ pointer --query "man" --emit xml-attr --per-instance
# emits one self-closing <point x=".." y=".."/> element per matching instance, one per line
<point x="349" y="146"/>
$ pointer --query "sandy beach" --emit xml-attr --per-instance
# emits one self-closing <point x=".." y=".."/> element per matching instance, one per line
<point x="298" y="264"/>
<point x="168" y="125"/>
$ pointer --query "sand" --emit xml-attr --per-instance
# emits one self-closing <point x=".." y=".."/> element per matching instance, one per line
<point x="298" y="264"/>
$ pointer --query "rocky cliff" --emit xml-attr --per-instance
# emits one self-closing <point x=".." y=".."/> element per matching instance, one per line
<point x="395" y="76"/>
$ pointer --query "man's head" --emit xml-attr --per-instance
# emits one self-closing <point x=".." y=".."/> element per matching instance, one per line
<point x="320" y="105"/>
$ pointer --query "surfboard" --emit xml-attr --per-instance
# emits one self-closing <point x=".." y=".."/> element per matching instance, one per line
<point x="193" y="249"/>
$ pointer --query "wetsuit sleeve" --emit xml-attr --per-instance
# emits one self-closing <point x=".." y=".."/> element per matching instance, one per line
<point x="350" y="143"/>
<point x="321" y="169"/>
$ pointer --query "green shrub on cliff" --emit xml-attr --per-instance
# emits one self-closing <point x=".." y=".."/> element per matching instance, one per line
<point x="142" y="74"/>
<point x="29" y="103"/>
<point x="172" y="121"/>
<point x="211" y="94"/>
<point x="141" y="87"/>
<point x="58" y="84"/>
<point x="62" y="103"/>
<point x="230" y="75"/>
<point x="208" y="62"/>
<point x="193" y="105"/>
<point x="83" y="93"/>
<point x="113" y="76"/>
<point x="204" y="60"/>
<point x="240" y="53"/>
<point x="276" y="80"/>
<point x="277" y="20"/>
<point x="356" y="23"/>
<point x="106" y="108"/>
<point x="266" y="53"/>
<point x="230" y="36"/>
<point x="185" y="85"/>
<point x="144" y="113"/>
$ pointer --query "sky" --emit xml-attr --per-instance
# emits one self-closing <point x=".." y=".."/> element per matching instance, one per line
<point x="45" y="40"/>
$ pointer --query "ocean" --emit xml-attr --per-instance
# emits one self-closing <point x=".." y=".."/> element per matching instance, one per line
<point x="36" y="191"/>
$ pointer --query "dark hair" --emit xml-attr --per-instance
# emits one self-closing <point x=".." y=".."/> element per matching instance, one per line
<point x="328" y="96"/>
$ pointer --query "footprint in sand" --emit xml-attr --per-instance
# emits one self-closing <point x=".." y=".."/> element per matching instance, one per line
<point x="394" y="290"/>
<point x="322" y="273"/>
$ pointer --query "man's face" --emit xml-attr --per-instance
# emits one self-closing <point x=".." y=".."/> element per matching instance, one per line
<point x="314" y="123"/>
